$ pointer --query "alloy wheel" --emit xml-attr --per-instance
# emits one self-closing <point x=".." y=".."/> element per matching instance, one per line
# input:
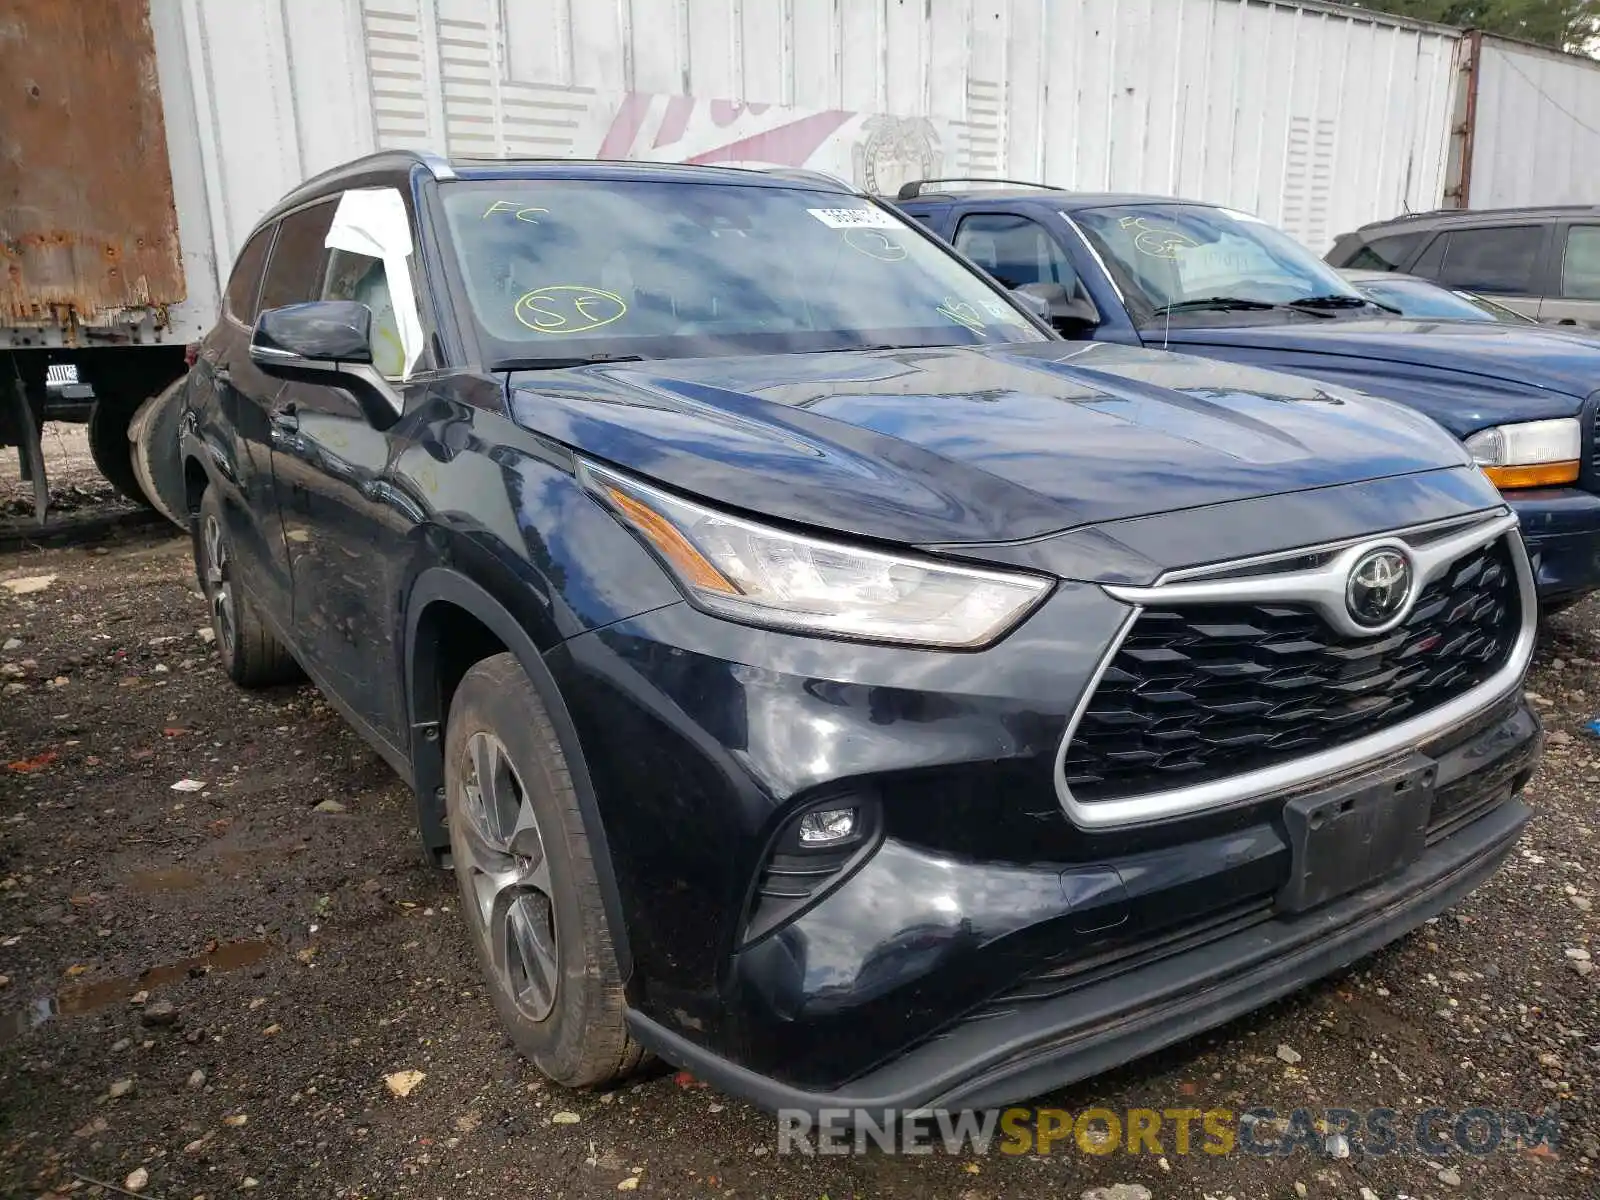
<point x="219" y="587"/>
<point x="502" y="852"/>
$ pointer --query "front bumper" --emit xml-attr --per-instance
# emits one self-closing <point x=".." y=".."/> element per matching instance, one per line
<point x="1561" y="529"/>
<point x="1032" y="1049"/>
<point x="985" y="946"/>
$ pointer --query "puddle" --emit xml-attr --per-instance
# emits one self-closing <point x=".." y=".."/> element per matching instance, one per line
<point x="88" y="997"/>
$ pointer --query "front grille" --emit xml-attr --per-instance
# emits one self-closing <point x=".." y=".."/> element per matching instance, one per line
<point x="1207" y="691"/>
<point x="1591" y="472"/>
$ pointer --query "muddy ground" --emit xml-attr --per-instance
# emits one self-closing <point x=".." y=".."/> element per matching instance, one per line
<point x="204" y="991"/>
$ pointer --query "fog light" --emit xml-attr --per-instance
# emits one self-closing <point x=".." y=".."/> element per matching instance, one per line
<point x="826" y="826"/>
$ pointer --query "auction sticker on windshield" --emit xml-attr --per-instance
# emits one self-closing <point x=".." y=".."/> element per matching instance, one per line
<point x="854" y="218"/>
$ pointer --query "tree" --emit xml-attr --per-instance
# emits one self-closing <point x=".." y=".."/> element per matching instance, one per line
<point x="1563" y="24"/>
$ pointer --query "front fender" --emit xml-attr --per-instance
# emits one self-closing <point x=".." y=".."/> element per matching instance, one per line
<point x="423" y="669"/>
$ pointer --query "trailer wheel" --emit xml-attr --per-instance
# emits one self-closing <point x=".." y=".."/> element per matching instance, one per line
<point x="111" y="450"/>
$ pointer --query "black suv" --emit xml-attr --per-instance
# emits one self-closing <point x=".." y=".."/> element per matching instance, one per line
<point x="1542" y="262"/>
<point x="816" y="671"/>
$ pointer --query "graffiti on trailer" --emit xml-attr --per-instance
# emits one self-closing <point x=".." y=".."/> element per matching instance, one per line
<point x="881" y="152"/>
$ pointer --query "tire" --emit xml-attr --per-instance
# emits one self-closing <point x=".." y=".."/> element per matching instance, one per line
<point x="111" y="450"/>
<point x="252" y="657"/>
<point x="539" y="929"/>
<point x="156" y="460"/>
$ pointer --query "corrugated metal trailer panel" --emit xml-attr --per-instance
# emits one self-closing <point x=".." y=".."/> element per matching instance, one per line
<point x="1535" y="136"/>
<point x="1317" y="117"/>
<point x="1314" y="116"/>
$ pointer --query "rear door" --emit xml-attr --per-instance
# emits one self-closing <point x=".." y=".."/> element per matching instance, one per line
<point x="1507" y="261"/>
<point x="232" y="401"/>
<point x="1575" y="291"/>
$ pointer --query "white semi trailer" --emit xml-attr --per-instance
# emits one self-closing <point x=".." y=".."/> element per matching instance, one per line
<point x="141" y="139"/>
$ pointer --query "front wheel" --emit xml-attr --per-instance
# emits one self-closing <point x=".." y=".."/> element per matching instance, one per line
<point x="526" y="875"/>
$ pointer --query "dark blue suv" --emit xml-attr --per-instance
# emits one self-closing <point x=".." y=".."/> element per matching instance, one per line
<point x="815" y="670"/>
<point x="1201" y="279"/>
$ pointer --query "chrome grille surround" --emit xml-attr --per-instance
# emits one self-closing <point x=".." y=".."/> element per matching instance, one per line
<point x="1314" y="576"/>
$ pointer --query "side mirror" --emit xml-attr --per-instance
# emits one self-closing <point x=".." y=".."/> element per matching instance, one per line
<point x="1037" y="305"/>
<point x="1070" y="314"/>
<point x="305" y="340"/>
<point x="327" y="342"/>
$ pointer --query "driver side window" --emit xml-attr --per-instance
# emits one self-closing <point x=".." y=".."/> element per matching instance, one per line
<point x="358" y="277"/>
<point x="1015" y="251"/>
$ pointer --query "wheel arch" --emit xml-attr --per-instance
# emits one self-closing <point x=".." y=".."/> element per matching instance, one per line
<point x="452" y="622"/>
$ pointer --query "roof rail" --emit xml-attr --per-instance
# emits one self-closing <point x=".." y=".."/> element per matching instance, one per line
<point x="805" y="174"/>
<point x="436" y="163"/>
<point x="912" y="190"/>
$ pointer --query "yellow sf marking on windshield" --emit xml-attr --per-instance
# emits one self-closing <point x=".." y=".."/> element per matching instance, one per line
<point x="519" y="212"/>
<point x="566" y="308"/>
<point x="1156" y="242"/>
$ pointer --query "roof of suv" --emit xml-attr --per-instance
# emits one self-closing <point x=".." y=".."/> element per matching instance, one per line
<point x="360" y="172"/>
<point x="1054" y="197"/>
<point x="1445" y="217"/>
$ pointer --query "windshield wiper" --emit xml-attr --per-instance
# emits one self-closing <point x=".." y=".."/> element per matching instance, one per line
<point x="558" y="364"/>
<point x="1214" y="304"/>
<point x="1315" y="302"/>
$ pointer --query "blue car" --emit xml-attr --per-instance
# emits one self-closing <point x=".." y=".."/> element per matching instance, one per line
<point x="1206" y="280"/>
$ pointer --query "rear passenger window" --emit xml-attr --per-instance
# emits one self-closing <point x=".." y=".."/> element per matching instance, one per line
<point x="1580" y="263"/>
<point x="245" y="281"/>
<point x="1385" y="253"/>
<point x="1495" y="259"/>
<point x="294" y="273"/>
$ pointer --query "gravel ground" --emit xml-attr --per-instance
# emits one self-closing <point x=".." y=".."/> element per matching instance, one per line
<point x="204" y="991"/>
<point x="76" y="485"/>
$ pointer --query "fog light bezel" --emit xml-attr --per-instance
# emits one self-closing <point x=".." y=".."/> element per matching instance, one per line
<point x="784" y="853"/>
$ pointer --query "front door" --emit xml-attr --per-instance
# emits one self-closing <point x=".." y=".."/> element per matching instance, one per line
<point x="346" y="531"/>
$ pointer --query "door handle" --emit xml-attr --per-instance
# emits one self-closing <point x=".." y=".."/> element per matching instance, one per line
<point x="286" y="418"/>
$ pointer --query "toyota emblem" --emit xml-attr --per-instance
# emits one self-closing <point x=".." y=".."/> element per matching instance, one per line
<point x="1379" y="588"/>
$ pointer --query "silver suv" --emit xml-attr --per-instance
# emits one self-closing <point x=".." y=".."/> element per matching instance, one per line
<point x="1543" y="262"/>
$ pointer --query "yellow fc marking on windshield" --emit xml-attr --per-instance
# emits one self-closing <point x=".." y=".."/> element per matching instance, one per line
<point x="519" y="212"/>
<point x="566" y="308"/>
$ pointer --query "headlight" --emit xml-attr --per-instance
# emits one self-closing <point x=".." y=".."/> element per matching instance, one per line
<point x="1530" y="453"/>
<point x="749" y="572"/>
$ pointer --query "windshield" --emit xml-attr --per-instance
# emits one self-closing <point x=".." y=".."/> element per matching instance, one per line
<point x="1426" y="300"/>
<point x="564" y="269"/>
<point x="1418" y="298"/>
<point x="1173" y="254"/>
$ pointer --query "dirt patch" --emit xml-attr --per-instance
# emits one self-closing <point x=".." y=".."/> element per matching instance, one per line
<point x="308" y="957"/>
<point x="76" y="485"/>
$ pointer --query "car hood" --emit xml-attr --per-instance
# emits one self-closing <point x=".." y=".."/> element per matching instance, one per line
<point x="956" y="444"/>
<point x="1558" y="360"/>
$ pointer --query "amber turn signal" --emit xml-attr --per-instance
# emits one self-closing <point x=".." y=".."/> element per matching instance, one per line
<point x="1533" y="475"/>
